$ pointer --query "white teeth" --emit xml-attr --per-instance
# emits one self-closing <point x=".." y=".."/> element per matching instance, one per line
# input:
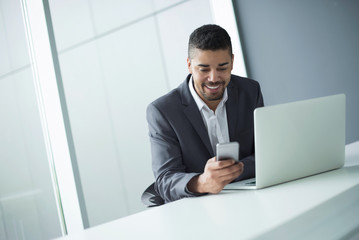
<point x="213" y="87"/>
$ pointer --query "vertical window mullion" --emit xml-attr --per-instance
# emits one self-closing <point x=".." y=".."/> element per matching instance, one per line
<point x="48" y="85"/>
<point x="223" y="15"/>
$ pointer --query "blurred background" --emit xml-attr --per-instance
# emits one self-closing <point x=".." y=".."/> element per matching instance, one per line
<point x="116" y="57"/>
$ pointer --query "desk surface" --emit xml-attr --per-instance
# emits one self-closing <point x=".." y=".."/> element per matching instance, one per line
<point x="321" y="206"/>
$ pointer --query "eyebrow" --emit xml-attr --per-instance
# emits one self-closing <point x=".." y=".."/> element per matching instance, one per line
<point x="207" y="65"/>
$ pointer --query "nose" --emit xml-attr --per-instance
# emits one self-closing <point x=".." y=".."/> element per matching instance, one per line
<point x="213" y="76"/>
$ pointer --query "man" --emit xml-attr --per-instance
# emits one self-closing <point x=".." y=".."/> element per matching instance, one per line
<point x="211" y="106"/>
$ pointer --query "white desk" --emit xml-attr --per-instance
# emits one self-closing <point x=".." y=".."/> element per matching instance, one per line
<point x="324" y="206"/>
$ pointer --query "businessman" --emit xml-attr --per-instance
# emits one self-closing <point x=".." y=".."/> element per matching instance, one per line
<point x="211" y="106"/>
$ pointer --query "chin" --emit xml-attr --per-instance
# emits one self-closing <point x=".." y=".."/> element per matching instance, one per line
<point x="214" y="98"/>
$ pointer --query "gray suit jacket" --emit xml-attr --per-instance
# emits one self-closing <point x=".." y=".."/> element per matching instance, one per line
<point x="180" y="143"/>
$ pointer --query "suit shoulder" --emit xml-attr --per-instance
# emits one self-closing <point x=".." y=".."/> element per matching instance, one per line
<point x="242" y="82"/>
<point x="171" y="98"/>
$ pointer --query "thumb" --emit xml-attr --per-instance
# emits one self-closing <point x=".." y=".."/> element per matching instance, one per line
<point x="212" y="160"/>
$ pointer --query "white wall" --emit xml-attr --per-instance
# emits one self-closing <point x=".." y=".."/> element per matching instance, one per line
<point x="115" y="58"/>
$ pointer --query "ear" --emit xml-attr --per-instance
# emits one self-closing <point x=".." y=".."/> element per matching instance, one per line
<point x="189" y="65"/>
<point x="232" y="62"/>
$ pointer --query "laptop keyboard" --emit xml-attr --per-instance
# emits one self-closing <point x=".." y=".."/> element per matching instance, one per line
<point x="251" y="183"/>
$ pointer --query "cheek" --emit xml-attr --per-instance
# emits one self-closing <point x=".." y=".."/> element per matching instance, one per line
<point x="197" y="76"/>
<point x="226" y="76"/>
<point x="201" y="79"/>
<point x="198" y="81"/>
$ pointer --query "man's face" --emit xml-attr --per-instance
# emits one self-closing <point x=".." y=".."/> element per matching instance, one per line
<point x="211" y="72"/>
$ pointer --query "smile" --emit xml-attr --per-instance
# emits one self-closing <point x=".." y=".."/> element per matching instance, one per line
<point x="213" y="87"/>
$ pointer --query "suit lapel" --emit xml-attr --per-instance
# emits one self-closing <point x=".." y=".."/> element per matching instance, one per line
<point x="194" y="116"/>
<point x="232" y="111"/>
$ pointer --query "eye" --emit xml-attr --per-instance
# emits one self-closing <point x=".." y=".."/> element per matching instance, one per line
<point x="222" y="69"/>
<point x="204" y="70"/>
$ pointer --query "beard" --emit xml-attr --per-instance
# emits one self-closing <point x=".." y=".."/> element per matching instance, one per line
<point x="212" y="96"/>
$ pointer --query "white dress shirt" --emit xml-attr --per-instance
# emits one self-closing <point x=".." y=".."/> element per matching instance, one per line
<point x="215" y="122"/>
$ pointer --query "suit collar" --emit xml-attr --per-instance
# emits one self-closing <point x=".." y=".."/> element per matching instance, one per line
<point x="232" y="106"/>
<point x="195" y="118"/>
<point x="186" y="96"/>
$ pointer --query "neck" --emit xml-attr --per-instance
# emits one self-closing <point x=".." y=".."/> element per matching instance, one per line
<point x="213" y="104"/>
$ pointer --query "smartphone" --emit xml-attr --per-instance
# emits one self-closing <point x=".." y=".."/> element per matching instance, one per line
<point x="228" y="151"/>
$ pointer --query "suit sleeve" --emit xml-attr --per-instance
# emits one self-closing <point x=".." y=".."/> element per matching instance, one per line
<point x="249" y="161"/>
<point x="168" y="168"/>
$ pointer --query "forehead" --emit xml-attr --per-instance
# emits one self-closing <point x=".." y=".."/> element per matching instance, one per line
<point x="211" y="56"/>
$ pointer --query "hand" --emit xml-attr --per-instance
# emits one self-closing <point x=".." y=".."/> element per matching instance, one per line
<point x="217" y="174"/>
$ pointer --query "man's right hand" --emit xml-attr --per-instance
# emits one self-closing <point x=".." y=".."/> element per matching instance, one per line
<point x="217" y="174"/>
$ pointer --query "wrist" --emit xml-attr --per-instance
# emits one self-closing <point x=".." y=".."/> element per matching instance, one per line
<point x="195" y="185"/>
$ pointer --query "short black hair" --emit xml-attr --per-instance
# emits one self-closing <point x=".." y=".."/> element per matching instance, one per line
<point x="209" y="37"/>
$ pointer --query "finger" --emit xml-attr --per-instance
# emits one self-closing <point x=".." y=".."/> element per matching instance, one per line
<point x="218" y="165"/>
<point x="226" y="163"/>
<point x="229" y="178"/>
<point x="235" y="166"/>
<point x="230" y="172"/>
<point x="239" y="166"/>
<point x="242" y="167"/>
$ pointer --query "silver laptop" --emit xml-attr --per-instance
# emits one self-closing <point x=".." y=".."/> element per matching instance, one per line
<point x="297" y="139"/>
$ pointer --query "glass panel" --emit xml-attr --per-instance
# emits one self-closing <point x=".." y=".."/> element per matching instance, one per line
<point x="28" y="208"/>
<point x="175" y="25"/>
<point x="112" y="68"/>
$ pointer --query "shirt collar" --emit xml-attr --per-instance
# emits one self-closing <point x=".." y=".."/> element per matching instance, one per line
<point x="200" y="103"/>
